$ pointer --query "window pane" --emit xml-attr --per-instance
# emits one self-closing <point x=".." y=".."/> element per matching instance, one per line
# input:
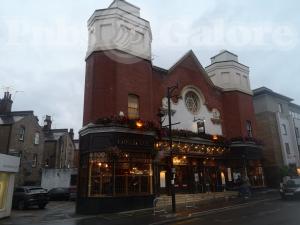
<point x="287" y="148"/>
<point x="21" y="133"/>
<point x="36" y="138"/>
<point x="126" y="174"/>
<point x="133" y="107"/>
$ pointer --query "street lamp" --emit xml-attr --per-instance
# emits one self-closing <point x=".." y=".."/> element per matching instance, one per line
<point x="172" y="171"/>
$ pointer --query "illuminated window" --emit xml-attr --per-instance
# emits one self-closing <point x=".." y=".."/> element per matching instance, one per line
<point x="122" y="175"/>
<point x="192" y="102"/>
<point x="4" y="180"/>
<point x="133" y="106"/>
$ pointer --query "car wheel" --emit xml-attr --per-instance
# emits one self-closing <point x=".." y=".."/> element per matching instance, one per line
<point x="21" y="205"/>
<point x="42" y="205"/>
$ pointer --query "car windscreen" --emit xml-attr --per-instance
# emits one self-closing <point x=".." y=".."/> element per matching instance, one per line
<point x="293" y="183"/>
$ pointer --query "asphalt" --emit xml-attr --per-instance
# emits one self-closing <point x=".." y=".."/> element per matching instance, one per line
<point x="58" y="213"/>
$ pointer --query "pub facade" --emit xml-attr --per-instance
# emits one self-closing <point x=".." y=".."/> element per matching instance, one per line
<point x="125" y="146"/>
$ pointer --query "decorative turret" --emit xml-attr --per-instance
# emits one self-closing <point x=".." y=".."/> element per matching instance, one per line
<point x="226" y="72"/>
<point x="120" y="27"/>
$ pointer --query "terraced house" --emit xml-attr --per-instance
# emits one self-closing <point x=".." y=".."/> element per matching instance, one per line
<point x="21" y="135"/>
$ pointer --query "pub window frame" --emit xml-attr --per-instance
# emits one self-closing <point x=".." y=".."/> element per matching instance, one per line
<point x="133" y="106"/>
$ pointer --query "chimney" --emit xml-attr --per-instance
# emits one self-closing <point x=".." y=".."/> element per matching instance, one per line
<point x="71" y="133"/>
<point x="47" y="123"/>
<point x="6" y="103"/>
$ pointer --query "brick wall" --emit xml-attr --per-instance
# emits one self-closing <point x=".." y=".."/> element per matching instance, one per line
<point x="27" y="148"/>
<point x="238" y="108"/>
<point x="108" y="83"/>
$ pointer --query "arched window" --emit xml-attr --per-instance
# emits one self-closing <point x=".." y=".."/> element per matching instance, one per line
<point x="192" y="102"/>
<point x="133" y="106"/>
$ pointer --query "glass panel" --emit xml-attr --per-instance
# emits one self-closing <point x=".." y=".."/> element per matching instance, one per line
<point x="133" y="106"/>
<point x="124" y="174"/>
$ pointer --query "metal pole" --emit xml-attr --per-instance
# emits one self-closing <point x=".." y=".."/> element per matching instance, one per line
<point x="172" y="172"/>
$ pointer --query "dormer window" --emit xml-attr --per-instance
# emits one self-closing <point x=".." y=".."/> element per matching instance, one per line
<point x="22" y="133"/>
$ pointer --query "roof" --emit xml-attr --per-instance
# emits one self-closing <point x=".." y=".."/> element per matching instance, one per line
<point x="222" y="52"/>
<point x="294" y="106"/>
<point x="267" y="91"/>
<point x="55" y="134"/>
<point x="116" y="1"/>
<point x="185" y="56"/>
<point x="14" y="117"/>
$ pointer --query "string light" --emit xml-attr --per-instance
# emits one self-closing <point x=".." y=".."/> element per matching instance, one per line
<point x="186" y="148"/>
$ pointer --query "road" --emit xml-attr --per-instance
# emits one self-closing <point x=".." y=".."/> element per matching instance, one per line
<point x="275" y="212"/>
<point x="263" y="212"/>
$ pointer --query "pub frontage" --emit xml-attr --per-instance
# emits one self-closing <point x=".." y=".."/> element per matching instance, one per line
<point x="125" y="148"/>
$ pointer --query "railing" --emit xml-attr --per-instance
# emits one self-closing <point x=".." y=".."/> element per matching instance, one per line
<point x="159" y="208"/>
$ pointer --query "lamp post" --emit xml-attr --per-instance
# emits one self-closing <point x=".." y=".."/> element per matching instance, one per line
<point x="172" y="169"/>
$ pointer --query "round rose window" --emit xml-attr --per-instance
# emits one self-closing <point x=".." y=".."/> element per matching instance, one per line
<point x="192" y="102"/>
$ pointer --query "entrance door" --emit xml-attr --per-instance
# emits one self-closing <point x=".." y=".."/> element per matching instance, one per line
<point x="211" y="179"/>
<point x="181" y="178"/>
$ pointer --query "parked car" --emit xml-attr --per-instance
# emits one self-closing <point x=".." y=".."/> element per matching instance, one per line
<point x="27" y="196"/>
<point x="59" y="194"/>
<point x="290" y="188"/>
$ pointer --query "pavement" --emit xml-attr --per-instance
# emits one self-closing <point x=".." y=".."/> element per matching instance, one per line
<point x="57" y="213"/>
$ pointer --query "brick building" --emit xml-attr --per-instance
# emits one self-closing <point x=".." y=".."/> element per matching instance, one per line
<point x="21" y="135"/>
<point x="58" y="147"/>
<point x="124" y="143"/>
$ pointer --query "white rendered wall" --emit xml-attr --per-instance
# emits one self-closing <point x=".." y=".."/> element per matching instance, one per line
<point x="126" y="7"/>
<point x="290" y="138"/>
<point x="227" y="73"/>
<point x="186" y="118"/>
<point x="53" y="178"/>
<point x="117" y="29"/>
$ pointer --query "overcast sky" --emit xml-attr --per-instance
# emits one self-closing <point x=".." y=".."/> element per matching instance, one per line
<point x="43" y="45"/>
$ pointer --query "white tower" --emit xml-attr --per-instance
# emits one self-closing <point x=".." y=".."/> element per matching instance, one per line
<point x="120" y="27"/>
<point x="226" y="72"/>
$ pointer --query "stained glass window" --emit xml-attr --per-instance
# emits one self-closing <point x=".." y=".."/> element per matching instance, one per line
<point x="192" y="102"/>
